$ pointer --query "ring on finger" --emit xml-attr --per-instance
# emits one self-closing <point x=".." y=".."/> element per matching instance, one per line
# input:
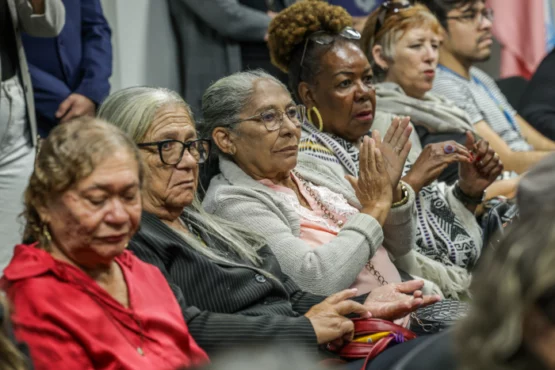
<point x="448" y="148"/>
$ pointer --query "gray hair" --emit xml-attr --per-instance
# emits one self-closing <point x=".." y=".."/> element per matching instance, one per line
<point x="223" y="101"/>
<point x="133" y="110"/>
<point x="509" y="281"/>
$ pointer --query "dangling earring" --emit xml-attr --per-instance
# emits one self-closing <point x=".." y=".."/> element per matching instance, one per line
<point x="317" y="113"/>
<point x="46" y="233"/>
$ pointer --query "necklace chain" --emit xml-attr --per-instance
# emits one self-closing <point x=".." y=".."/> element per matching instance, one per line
<point x="329" y="215"/>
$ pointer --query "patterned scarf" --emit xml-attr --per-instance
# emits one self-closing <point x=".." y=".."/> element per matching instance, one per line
<point x="440" y="234"/>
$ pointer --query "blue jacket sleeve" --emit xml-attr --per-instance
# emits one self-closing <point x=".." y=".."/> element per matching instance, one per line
<point x="49" y="92"/>
<point x="97" y="52"/>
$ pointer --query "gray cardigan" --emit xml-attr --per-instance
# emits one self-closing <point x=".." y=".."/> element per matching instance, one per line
<point x="334" y="266"/>
<point x="48" y="24"/>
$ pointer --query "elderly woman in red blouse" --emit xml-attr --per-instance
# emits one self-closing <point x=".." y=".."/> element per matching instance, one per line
<point x="81" y="301"/>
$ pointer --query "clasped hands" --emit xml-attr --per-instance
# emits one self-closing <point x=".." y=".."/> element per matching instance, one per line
<point x="388" y="302"/>
<point x="381" y="165"/>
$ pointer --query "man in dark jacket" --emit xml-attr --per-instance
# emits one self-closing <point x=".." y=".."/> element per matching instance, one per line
<point x="70" y="72"/>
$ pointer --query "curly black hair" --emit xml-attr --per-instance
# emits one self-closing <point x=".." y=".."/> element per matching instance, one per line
<point x="288" y="32"/>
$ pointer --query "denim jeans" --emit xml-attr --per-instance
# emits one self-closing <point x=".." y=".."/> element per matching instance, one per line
<point x="17" y="157"/>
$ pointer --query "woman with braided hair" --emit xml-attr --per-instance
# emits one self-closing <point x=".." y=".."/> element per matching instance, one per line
<point x="329" y="73"/>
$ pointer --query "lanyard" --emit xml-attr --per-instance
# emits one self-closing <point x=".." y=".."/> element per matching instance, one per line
<point x="505" y="111"/>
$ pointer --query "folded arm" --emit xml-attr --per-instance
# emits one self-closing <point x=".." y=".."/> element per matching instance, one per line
<point x="96" y="62"/>
<point x="325" y="270"/>
<point x="232" y="19"/>
<point x="518" y="162"/>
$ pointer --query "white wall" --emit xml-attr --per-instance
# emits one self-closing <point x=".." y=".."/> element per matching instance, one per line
<point x="144" y="46"/>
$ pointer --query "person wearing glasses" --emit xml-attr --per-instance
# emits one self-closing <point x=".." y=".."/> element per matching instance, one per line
<point x="230" y="285"/>
<point x="81" y="300"/>
<point x="467" y="40"/>
<point x="331" y="75"/>
<point x="326" y="236"/>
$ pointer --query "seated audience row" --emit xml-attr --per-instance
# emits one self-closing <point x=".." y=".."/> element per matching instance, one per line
<point x="348" y="205"/>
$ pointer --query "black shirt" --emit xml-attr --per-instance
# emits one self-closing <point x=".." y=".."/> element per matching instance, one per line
<point x="8" y="48"/>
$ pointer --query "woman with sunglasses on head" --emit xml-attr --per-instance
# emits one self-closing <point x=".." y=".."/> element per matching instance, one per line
<point x="330" y="74"/>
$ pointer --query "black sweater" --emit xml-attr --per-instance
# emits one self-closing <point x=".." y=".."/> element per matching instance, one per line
<point x="224" y="304"/>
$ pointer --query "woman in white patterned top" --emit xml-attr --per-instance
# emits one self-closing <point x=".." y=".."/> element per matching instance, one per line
<point x="331" y="75"/>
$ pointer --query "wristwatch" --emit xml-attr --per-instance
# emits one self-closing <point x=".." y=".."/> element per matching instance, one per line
<point x="404" y="196"/>
<point x="466" y="199"/>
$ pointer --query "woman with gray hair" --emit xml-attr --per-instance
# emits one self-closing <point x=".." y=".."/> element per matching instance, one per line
<point x="230" y="285"/>
<point x="325" y="231"/>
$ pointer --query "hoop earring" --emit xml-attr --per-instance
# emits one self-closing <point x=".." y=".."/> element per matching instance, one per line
<point x="318" y="115"/>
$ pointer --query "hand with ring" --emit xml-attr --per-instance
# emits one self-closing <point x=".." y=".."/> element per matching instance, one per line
<point x="432" y="162"/>
<point x="475" y="177"/>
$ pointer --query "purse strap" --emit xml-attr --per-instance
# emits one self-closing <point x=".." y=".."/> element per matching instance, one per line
<point x="378" y="325"/>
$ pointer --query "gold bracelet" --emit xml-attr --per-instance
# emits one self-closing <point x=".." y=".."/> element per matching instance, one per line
<point x="405" y="199"/>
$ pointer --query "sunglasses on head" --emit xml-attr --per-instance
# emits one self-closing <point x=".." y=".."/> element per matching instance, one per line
<point x="326" y="38"/>
<point x="386" y="8"/>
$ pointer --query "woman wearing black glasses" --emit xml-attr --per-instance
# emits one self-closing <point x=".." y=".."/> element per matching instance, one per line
<point x="229" y="283"/>
<point x="331" y="76"/>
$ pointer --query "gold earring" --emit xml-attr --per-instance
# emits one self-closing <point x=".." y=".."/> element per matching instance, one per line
<point x="46" y="233"/>
<point x="318" y="115"/>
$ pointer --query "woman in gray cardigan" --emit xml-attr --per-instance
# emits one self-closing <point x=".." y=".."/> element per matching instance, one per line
<point x="326" y="236"/>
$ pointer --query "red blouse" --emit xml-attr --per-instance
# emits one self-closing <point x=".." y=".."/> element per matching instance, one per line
<point x="70" y="322"/>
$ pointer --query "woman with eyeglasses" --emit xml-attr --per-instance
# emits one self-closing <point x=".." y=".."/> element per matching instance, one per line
<point x="330" y="74"/>
<point x="81" y="300"/>
<point x="230" y="285"/>
<point x="326" y="236"/>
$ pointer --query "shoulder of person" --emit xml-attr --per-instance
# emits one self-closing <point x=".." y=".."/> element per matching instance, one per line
<point x="318" y="171"/>
<point x="482" y="76"/>
<point x="222" y="191"/>
<point x="44" y="297"/>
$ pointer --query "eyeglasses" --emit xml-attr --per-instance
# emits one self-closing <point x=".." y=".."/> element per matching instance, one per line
<point x="326" y="38"/>
<point x="171" y="151"/>
<point x="273" y="118"/>
<point x="387" y="8"/>
<point x="475" y="17"/>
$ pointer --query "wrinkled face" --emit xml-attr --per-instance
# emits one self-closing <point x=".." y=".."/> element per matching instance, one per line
<point x="92" y="222"/>
<point x="469" y="40"/>
<point x="170" y="187"/>
<point x="261" y="153"/>
<point x="415" y="59"/>
<point x="344" y="93"/>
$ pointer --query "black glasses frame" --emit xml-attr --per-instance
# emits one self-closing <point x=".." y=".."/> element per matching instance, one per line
<point x="185" y="146"/>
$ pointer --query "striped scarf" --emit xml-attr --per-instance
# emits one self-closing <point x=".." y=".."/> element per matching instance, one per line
<point x="440" y="234"/>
